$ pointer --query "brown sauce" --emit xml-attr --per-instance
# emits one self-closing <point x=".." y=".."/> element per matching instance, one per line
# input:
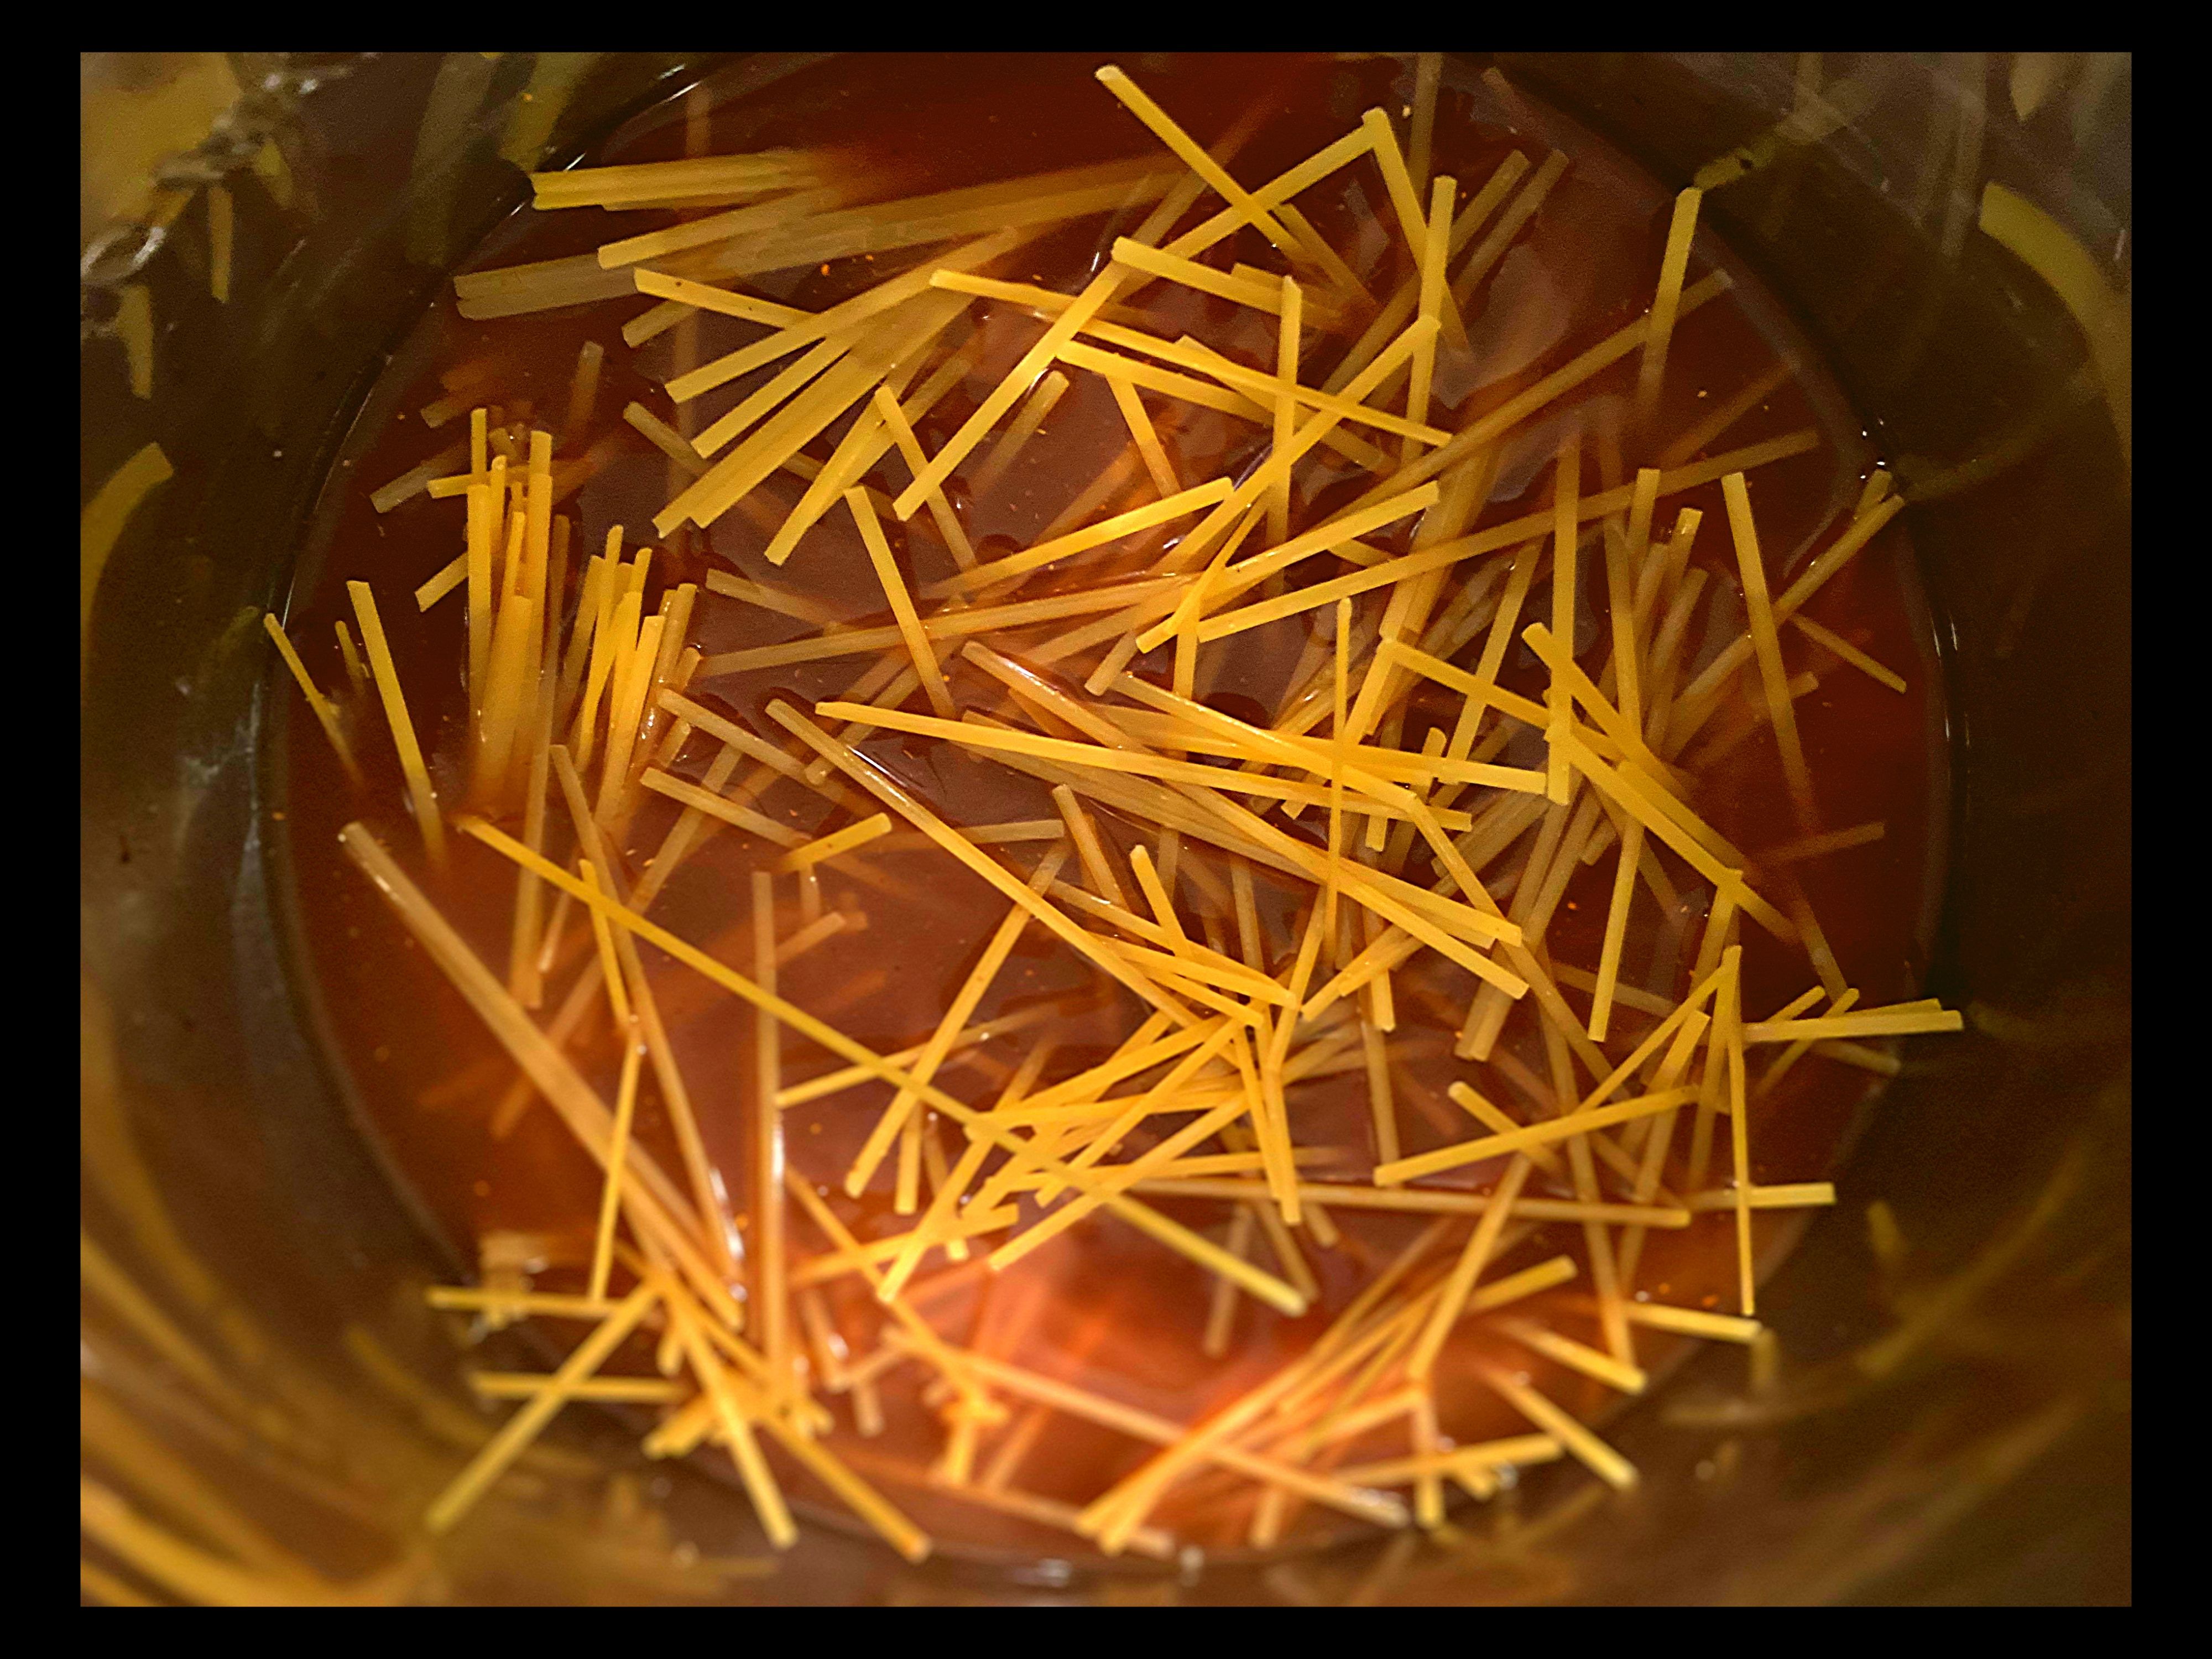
<point x="1102" y="1306"/>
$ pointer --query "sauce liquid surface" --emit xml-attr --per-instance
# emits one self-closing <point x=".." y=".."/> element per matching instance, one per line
<point x="1102" y="1306"/>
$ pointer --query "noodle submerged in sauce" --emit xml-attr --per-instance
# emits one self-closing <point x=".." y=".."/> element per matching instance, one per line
<point x="1024" y="1407"/>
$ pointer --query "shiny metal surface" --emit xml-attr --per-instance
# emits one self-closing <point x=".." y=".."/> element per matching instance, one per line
<point x="267" y="1404"/>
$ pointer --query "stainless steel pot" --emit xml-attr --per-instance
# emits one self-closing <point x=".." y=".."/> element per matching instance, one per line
<point x="265" y="1402"/>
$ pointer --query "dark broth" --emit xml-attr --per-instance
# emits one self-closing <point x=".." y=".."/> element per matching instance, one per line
<point x="1102" y="1306"/>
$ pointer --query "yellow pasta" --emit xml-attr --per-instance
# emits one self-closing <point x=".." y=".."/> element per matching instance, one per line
<point x="1207" y="890"/>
